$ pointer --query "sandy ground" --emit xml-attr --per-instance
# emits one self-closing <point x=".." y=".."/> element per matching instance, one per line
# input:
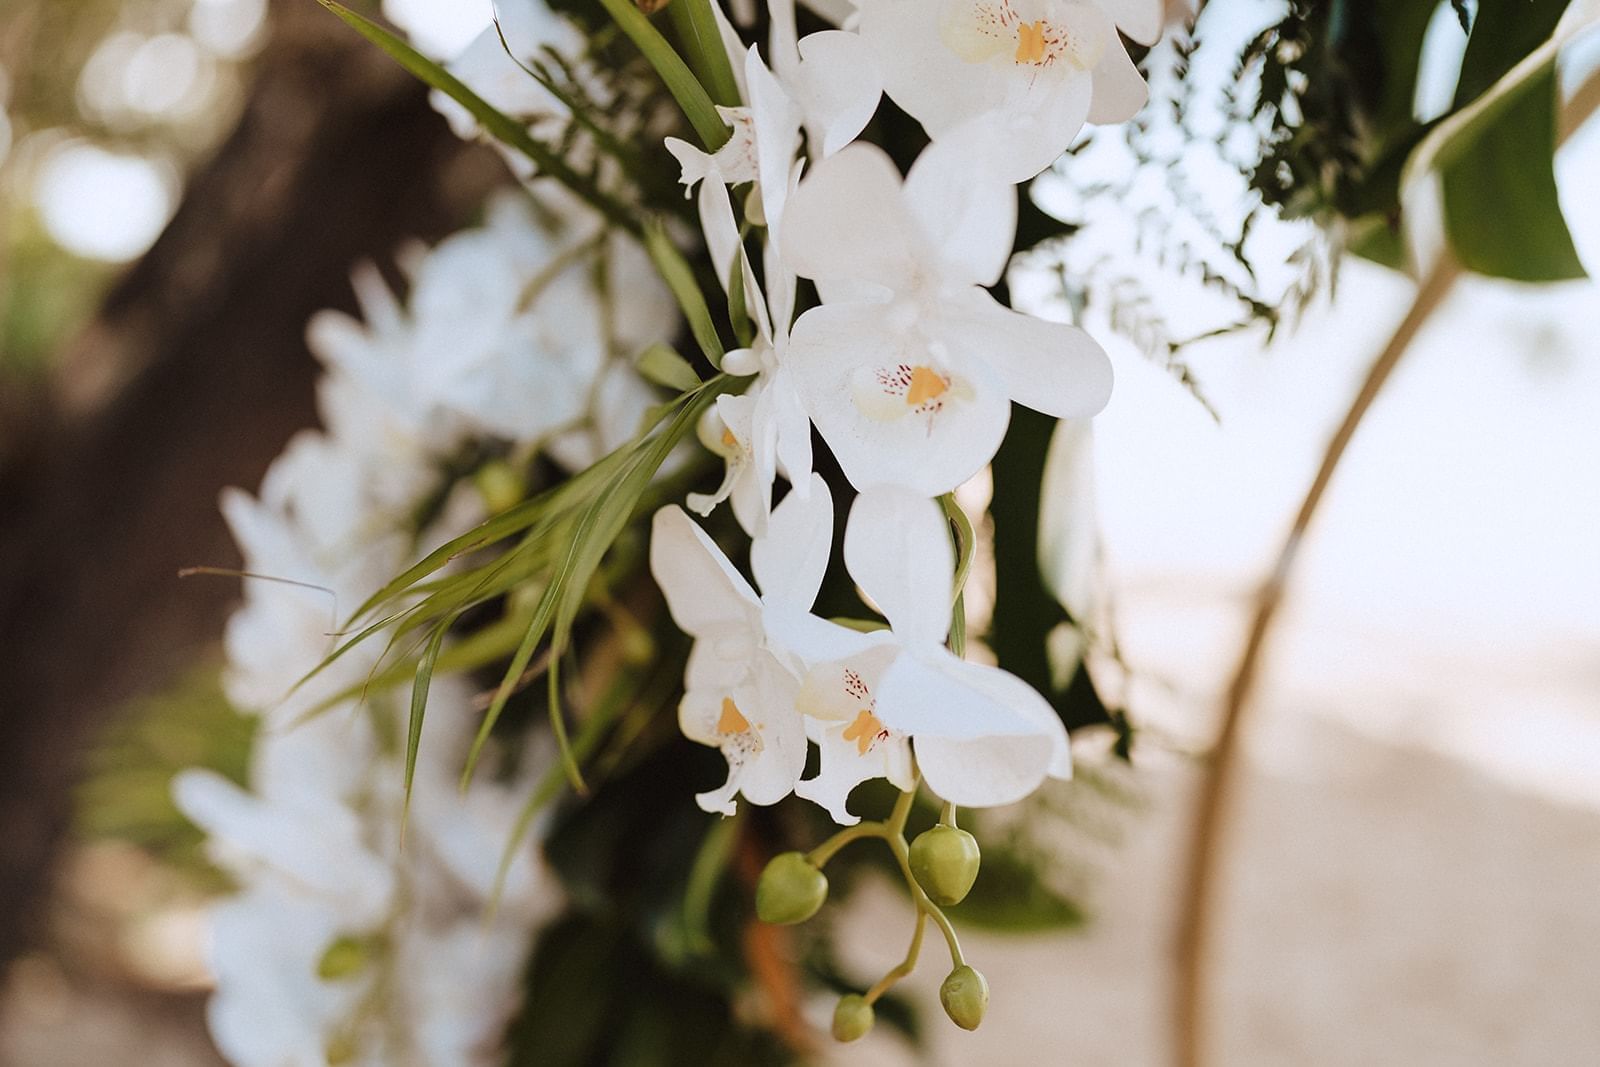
<point x="1387" y="906"/>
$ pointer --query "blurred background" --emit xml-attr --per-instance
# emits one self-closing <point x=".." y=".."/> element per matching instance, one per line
<point x="1412" y="870"/>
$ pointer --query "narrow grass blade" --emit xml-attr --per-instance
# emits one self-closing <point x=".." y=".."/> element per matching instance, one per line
<point x="679" y="276"/>
<point x="675" y="74"/>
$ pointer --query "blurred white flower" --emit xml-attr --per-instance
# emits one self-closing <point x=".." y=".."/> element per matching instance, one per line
<point x="497" y="69"/>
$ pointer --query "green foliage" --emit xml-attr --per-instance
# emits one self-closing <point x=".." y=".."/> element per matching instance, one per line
<point x="1336" y="85"/>
<point x="661" y="364"/>
<point x="595" y="995"/>
<point x="675" y="74"/>
<point x="1501" y="210"/>
<point x="700" y="40"/>
<point x="679" y="276"/>
<point x="126" y="791"/>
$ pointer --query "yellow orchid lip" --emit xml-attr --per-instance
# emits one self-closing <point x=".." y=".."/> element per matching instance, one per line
<point x="865" y="731"/>
<point x="732" y="720"/>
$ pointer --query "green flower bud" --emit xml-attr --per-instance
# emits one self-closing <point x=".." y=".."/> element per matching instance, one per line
<point x="852" y="1018"/>
<point x="500" y="485"/>
<point x="965" y="996"/>
<point x="945" y="862"/>
<point x="346" y="956"/>
<point x="791" y="890"/>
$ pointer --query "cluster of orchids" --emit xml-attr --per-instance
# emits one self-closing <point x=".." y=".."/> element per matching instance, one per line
<point x="861" y="301"/>
<point x="907" y="367"/>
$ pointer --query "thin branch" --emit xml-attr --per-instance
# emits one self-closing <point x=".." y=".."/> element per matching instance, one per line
<point x="1195" y="932"/>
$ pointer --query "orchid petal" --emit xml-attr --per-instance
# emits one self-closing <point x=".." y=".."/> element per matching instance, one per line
<point x="1119" y="88"/>
<point x="844" y="766"/>
<point x="1047" y="366"/>
<point x="982" y="772"/>
<point x="814" y="640"/>
<point x="794" y="431"/>
<point x="849" y="220"/>
<point x="701" y="586"/>
<point x="846" y="362"/>
<point x="930" y="695"/>
<point x="777" y="135"/>
<point x="792" y="559"/>
<point x="969" y="216"/>
<point x="897" y="548"/>
<point x="921" y="73"/>
<point x="1139" y="19"/>
<point x="838" y="85"/>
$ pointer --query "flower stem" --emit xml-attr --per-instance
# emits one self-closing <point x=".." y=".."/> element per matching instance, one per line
<point x="897" y="845"/>
<point x="1195" y="931"/>
<point x="819" y="856"/>
<point x="906" y="966"/>
<point x="902" y="809"/>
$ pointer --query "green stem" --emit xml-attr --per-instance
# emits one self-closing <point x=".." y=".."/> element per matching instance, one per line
<point x="906" y="966"/>
<point x="819" y="856"/>
<point x="902" y="809"/>
<point x="948" y="815"/>
<point x="897" y="845"/>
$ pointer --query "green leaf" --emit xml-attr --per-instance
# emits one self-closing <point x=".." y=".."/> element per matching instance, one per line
<point x="679" y="276"/>
<point x="697" y="29"/>
<point x="661" y="363"/>
<point x="675" y="74"/>
<point x="419" y="708"/>
<point x="1496" y="154"/>
<point x="347" y="956"/>
<point x="1500" y="204"/>
<point x="500" y="126"/>
<point x="738" y="311"/>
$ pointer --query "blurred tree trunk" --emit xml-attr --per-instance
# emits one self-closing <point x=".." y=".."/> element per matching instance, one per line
<point x="191" y="377"/>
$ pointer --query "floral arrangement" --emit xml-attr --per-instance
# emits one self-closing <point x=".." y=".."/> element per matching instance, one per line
<point x="543" y="580"/>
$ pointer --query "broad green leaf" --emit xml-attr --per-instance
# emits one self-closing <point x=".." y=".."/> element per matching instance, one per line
<point x="1500" y="204"/>
<point x="1496" y="153"/>
<point x="500" y="126"/>
<point x="675" y="74"/>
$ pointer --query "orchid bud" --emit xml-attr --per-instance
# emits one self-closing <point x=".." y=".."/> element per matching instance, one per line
<point x="500" y="485"/>
<point x="791" y="890"/>
<point x="945" y="862"/>
<point x="965" y="996"/>
<point x="852" y="1018"/>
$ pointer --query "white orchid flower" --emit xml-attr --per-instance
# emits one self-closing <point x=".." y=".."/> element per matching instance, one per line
<point x="739" y="688"/>
<point x="981" y="737"/>
<point x="832" y="75"/>
<point x="909" y="367"/>
<point x="766" y="430"/>
<point x="1143" y="20"/>
<point x="1032" y="71"/>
